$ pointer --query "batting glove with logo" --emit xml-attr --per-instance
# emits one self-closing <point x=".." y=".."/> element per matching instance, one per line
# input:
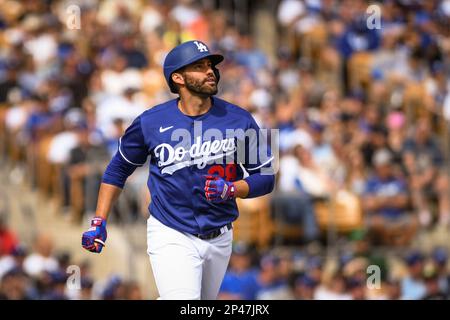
<point x="218" y="189"/>
<point x="94" y="239"/>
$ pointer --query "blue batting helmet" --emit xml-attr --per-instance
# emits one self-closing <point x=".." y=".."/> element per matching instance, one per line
<point x="185" y="54"/>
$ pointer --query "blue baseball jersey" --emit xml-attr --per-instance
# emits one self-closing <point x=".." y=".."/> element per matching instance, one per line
<point x="182" y="150"/>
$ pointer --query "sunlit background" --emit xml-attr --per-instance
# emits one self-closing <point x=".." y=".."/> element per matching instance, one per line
<point x="361" y="97"/>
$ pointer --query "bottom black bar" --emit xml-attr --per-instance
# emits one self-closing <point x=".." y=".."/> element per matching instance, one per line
<point x="178" y="310"/>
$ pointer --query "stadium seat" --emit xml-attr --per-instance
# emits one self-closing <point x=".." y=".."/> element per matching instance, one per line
<point x="313" y="42"/>
<point x="343" y="212"/>
<point x="254" y="224"/>
<point x="415" y="98"/>
<point x="359" y="70"/>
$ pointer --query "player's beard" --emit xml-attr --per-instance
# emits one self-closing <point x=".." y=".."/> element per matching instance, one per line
<point x="200" y="87"/>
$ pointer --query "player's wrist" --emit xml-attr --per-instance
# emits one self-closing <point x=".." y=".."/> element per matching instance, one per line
<point x="241" y="189"/>
<point x="98" y="221"/>
<point x="99" y="217"/>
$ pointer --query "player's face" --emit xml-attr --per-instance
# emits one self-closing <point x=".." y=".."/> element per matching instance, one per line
<point x="199" y="78"/>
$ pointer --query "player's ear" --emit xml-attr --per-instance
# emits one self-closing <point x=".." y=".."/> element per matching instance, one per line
<point x="177" y="78"/>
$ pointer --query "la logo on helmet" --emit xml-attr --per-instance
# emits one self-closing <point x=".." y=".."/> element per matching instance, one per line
<point x="201" y="47"/>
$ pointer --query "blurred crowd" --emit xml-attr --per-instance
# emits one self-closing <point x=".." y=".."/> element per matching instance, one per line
<point x="362" y="112"/>
<point x="40" y="273"/>
<point x="357" y="273"/>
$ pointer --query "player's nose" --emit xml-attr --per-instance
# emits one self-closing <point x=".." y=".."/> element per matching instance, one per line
<point x="210" y="72"/>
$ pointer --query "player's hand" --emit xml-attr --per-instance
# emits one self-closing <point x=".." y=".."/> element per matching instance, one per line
<point x="94" y="239"/>
<point x="218" y="189"/>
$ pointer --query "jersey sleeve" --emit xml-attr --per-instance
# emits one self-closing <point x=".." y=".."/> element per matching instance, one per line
<point x="132" y="146"/>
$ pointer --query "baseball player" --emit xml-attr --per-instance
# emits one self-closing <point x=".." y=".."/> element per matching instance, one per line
<point x="195" y="176"/>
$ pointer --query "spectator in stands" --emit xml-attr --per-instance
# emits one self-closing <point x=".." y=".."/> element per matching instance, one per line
<point x="294" y="202"/>
<point x="390" y="62"/>
<point x="356" y="173"/>
<point x="413" y="286"/>
<point x="115" y="289"/>
<point x="433" y="290"/>
<point x="86" y="288"/>
<point x="86" y="164"/>
<point x="133" y="55"/>
<point x="396" y="125"/>
<point x="332" y="288"/>
<point x="8" y="83"/>
<point x="14" y="286"/>
<point x="357" y="288"/>
<point x="439" y="257"/>
<point x="304" y="287"/>
<point x="56" y="289"/>
<point x="272" y="286"/>
<point x="314" y="268"/>
<point x="376" y="140"/>
<point x="394" y="290"/>
<point x="13" y="261"/>
<point x="240" y="281"/>
<point x="386" y="203"/>
<point x="423" y="160"/>
<point x="322" y="151"/>
<point x="8" y="239"/>
<point x="312" y="178"/>
<point x="247" y="55"/>
<point x="41" y="260"/>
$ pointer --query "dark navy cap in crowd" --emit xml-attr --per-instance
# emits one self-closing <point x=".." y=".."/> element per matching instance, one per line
<point x="414" y="257"/>
<point x="354" y="282"/>
<point x="58" y="277"/>
<point x="19" y="251"/>
<point x="440" y="255"/>
<point x="314" y="262"/>
<point x="269" y="260"/>
<point x="14" y="272"/>
<point x="111" y="286"/>
<point x="307" y="281"/>
<point x="316" y="126"/>
<point x="86" y="283"/>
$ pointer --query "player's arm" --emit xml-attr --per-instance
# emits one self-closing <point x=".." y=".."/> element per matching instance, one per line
<point x="107" y="196"/>
<point x="132" y="153"/>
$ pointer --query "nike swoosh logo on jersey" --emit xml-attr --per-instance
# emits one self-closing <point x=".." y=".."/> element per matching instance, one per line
<point x="161" y="129"/>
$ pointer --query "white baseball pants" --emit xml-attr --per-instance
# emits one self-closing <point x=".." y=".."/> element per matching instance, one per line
<point x="184" y="266"/>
